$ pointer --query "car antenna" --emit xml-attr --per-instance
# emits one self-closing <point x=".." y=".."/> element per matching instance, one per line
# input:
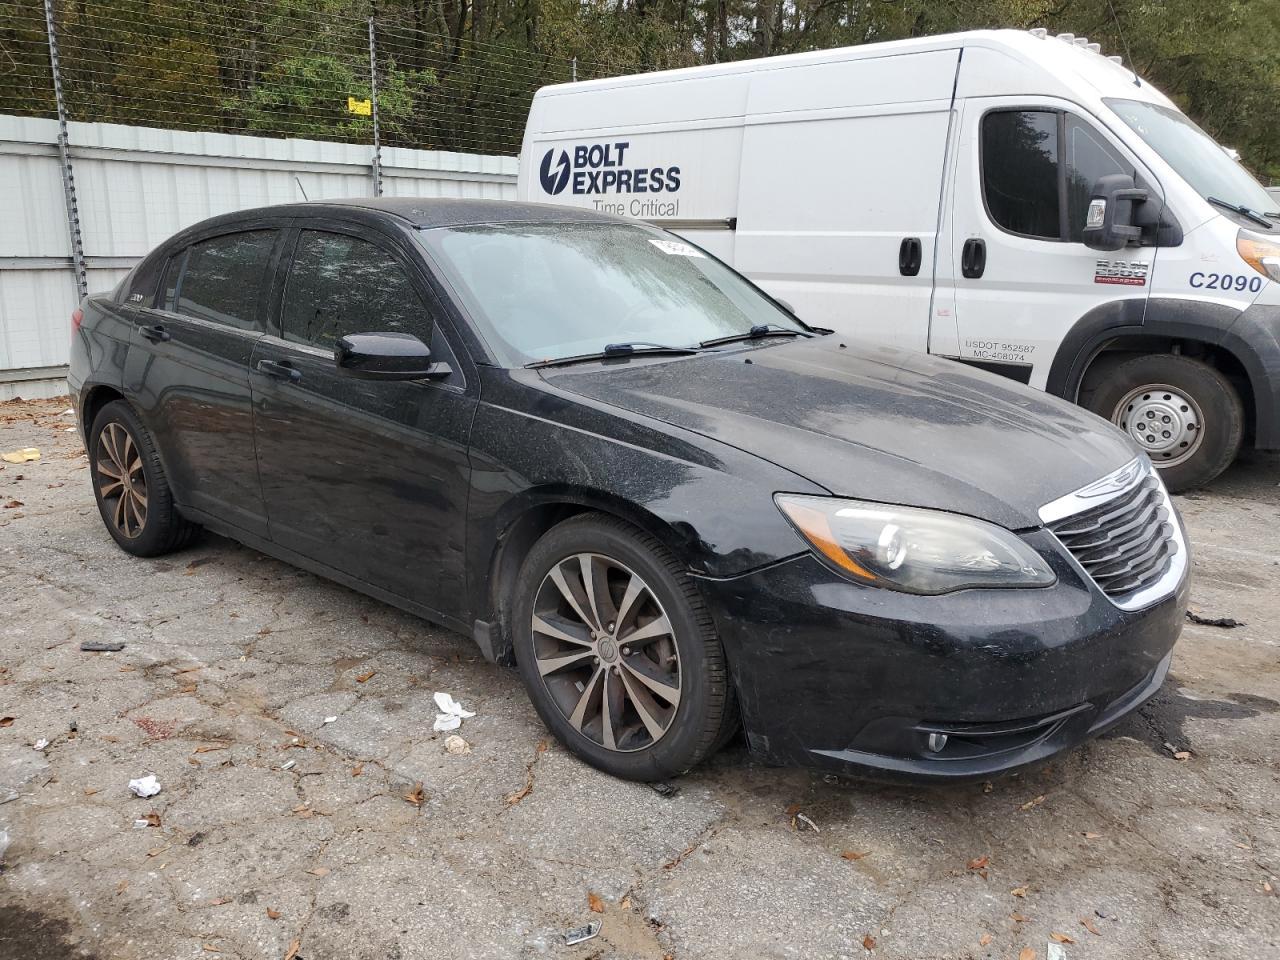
<point x="1137" y="82"/>
<point x="303" y="189"/>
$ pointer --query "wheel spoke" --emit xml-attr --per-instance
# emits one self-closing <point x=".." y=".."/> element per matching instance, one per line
<point x="587" y="569"/>
<point x="580" y="711"/>
<point x="127" y="452"/>
<point x="109" y="490"/>
<point x="118" y="514"/>
<point x="638" y="699"/>
<point x="567" y="591"/>
<point x="658" y="684"/>
<point x="108" y="440"/>
<point x="109" y="469"/>
<point x="135" y="466"/>
<point x="140" y="495"/>
<point x="548" y="665"/>
<point x="635" y="587"/>
<point x="658" y="627"/>
<point x="547" y="628"/>
<point x="610" y="702"/>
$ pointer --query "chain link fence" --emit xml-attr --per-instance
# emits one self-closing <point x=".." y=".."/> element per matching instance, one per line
<point x="285" y="68"/>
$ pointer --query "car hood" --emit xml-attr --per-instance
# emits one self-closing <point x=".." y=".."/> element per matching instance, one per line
<point x="874" y="423"/>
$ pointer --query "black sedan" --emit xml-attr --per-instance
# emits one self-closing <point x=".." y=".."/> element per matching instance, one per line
<point x="621" y="466"/>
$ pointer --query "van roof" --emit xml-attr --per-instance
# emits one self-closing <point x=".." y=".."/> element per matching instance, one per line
<point x="1059" y="55"/>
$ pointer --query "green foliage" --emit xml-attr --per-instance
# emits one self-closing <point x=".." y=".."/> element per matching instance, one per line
<point x="458" y="74"/>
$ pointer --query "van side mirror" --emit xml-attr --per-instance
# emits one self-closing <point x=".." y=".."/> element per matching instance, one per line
<point x="1111" y="222"/>
<point x="386" y="356"/>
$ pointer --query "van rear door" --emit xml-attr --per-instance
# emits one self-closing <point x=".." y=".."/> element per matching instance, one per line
<point x="842" y="169"/>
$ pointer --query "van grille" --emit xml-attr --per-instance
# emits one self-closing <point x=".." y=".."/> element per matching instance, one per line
<point x="1126" y="543"/>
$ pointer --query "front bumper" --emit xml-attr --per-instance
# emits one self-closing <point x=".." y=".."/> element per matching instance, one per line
<point x="851" y="678"/>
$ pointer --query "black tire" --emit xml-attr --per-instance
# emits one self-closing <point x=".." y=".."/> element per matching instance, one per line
<point x="1219" y="425"/>
<point x="162" y="529"/>
<point x="706" y="714"/>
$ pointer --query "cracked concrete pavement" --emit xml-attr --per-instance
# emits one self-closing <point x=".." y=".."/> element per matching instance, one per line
<point x="233" y="661"/>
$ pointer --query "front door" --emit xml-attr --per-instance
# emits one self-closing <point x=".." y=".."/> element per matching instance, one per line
<point x="1016" y="275"/>
<point x="187" y="372"/>
<point x="366" y="477"/>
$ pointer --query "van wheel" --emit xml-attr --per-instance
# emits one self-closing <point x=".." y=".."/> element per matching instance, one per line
<point x="618" y="653"/>
<point x="130" y="486"/>
<point x="1183" y="413"/>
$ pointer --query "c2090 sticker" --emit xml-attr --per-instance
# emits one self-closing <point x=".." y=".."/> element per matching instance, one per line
<point x="1226" y="281"/>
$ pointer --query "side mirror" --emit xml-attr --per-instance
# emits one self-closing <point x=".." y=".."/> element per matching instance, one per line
<point x="386" y="356"/>
<point x="1111" y="220"/>
<point x="785" y="305"/>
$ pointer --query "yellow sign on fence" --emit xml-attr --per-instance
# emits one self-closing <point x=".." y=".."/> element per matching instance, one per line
<point x="362" y="107"/>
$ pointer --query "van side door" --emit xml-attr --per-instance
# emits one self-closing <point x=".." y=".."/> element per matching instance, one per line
<point x="187" y="370"/>
<point x="1016" y="275"/>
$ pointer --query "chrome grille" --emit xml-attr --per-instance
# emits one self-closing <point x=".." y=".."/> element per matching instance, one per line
<point x="1123" y="533"/>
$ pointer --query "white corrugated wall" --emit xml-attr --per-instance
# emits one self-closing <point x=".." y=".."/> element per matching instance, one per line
<point x="137" y="186"/>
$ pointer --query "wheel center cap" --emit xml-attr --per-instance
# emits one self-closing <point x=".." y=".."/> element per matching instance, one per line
<point x="608" y="650"/>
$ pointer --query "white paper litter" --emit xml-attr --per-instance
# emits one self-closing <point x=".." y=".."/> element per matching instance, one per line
<point x="328" y="720"/>
<point x="451" y="713"/>
<point x="1055" y="951"/>
<point x="147" y="786"/>
<point x="140" y="824"/>
<point x="40" y="744"/>
<point x="289" y="766"/>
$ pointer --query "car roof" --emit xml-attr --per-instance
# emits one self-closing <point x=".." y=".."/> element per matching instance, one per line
<point x="422" y="212"/>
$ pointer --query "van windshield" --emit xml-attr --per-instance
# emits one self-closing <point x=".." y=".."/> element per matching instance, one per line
<point x="548" y="291"/>
<point x="1194" y="155"/>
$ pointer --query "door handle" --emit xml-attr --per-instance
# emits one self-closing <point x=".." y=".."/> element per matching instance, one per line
<point x="280" y="369"/>
<point x="910" y="256"/>
<point x="156" y="333"/>
<point x="973" y="258"/>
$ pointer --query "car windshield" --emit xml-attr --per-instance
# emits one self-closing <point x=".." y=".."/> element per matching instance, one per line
<point x="1194" y="155"/>
<point x="548" y="291"/>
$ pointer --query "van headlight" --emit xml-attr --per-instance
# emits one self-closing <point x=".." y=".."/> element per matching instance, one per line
<point x="913" y="550"/>
<point x="1262" y="255"/>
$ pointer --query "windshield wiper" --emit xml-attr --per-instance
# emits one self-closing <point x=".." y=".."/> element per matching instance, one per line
<point x="757" y="332"/>
<point x="1242" y="210"/>
<point x="616" y="350"/>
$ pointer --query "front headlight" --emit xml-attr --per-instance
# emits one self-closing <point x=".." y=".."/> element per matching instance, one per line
<point x="913" y="550"/>
<point x="1262" y="255"/>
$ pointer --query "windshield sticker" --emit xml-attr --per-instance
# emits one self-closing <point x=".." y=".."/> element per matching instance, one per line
<point x="1129" y="273"/>
<point x="676" y="249"/>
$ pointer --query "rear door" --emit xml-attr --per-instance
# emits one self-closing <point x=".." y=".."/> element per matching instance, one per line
<point x="367" y="477"/>
<point x="842" y="171"/>
<point x="187" y="371"/>
<point x="1017" y="274"/>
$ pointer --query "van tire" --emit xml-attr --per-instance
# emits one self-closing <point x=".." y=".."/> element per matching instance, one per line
<point x="1179" y="397"/>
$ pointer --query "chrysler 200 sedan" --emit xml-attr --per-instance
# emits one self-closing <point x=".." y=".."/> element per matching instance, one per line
<point x="616" y="463"/>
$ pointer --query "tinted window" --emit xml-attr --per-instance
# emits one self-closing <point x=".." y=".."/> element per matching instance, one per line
<point x="222" y="278"/>
<point x="1089" y="157"/>
<point x="340" y="284"/>
<point x="1020" y="171"/>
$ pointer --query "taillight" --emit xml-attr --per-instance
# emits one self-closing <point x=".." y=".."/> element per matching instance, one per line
<point x="77" y="318"/>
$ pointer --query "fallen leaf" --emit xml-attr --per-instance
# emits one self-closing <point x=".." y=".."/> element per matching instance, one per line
<point x="1019" y="891"/>
<point x="595" y="903"/>
<point x="1091" y="836"/>
<point x="855" y="855"/>
<point x="868" y="942"/>
<point x="455" y="745"/>
<point x="1033" y="802"/>
<point x="416" y="797"/>
<point x="273" y="914"/>
<point x="21" y="456"/>
<point x="188" y="688"/>
<point x="293" y="950"/>
<point x="219" y="901"/>
<point x="357" y="769"/>
<point x="6" y="721"/>
<point x="13" y="505"/>
<point x="365" y="676"/>
<point x="122" y="886"/>
<point x="90" y="791"/>
<point x="1182" y="755"/>
<point x="1266" y="887"/>
<point x="319" y="871"/>
<point x="210" y="747"/>
<point x="1026" y="954"/>
<point x="1060" y="937"/>
<point x="152" y="818"/>
<point x="1088" y="924"/>
<point x="210" y="948"/>
<point x="985" y="939"/>
<point x="625" y="903"/>
<point x="1018" y="918"/>
<point x="793" y="809"/>
<point x="978" y="863"/>
<point x="541" y="747"/>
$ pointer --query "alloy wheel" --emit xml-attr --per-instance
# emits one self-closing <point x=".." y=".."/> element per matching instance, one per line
<point x="121" y="482"/>
<point x="1165" y="422"/>
<point x="606" y="653"/>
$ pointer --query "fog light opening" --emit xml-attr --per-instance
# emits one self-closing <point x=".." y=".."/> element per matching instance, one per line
<point x="937" y="742"/>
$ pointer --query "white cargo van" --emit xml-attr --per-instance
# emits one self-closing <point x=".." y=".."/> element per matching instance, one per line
<point x="1013" y="200"/>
